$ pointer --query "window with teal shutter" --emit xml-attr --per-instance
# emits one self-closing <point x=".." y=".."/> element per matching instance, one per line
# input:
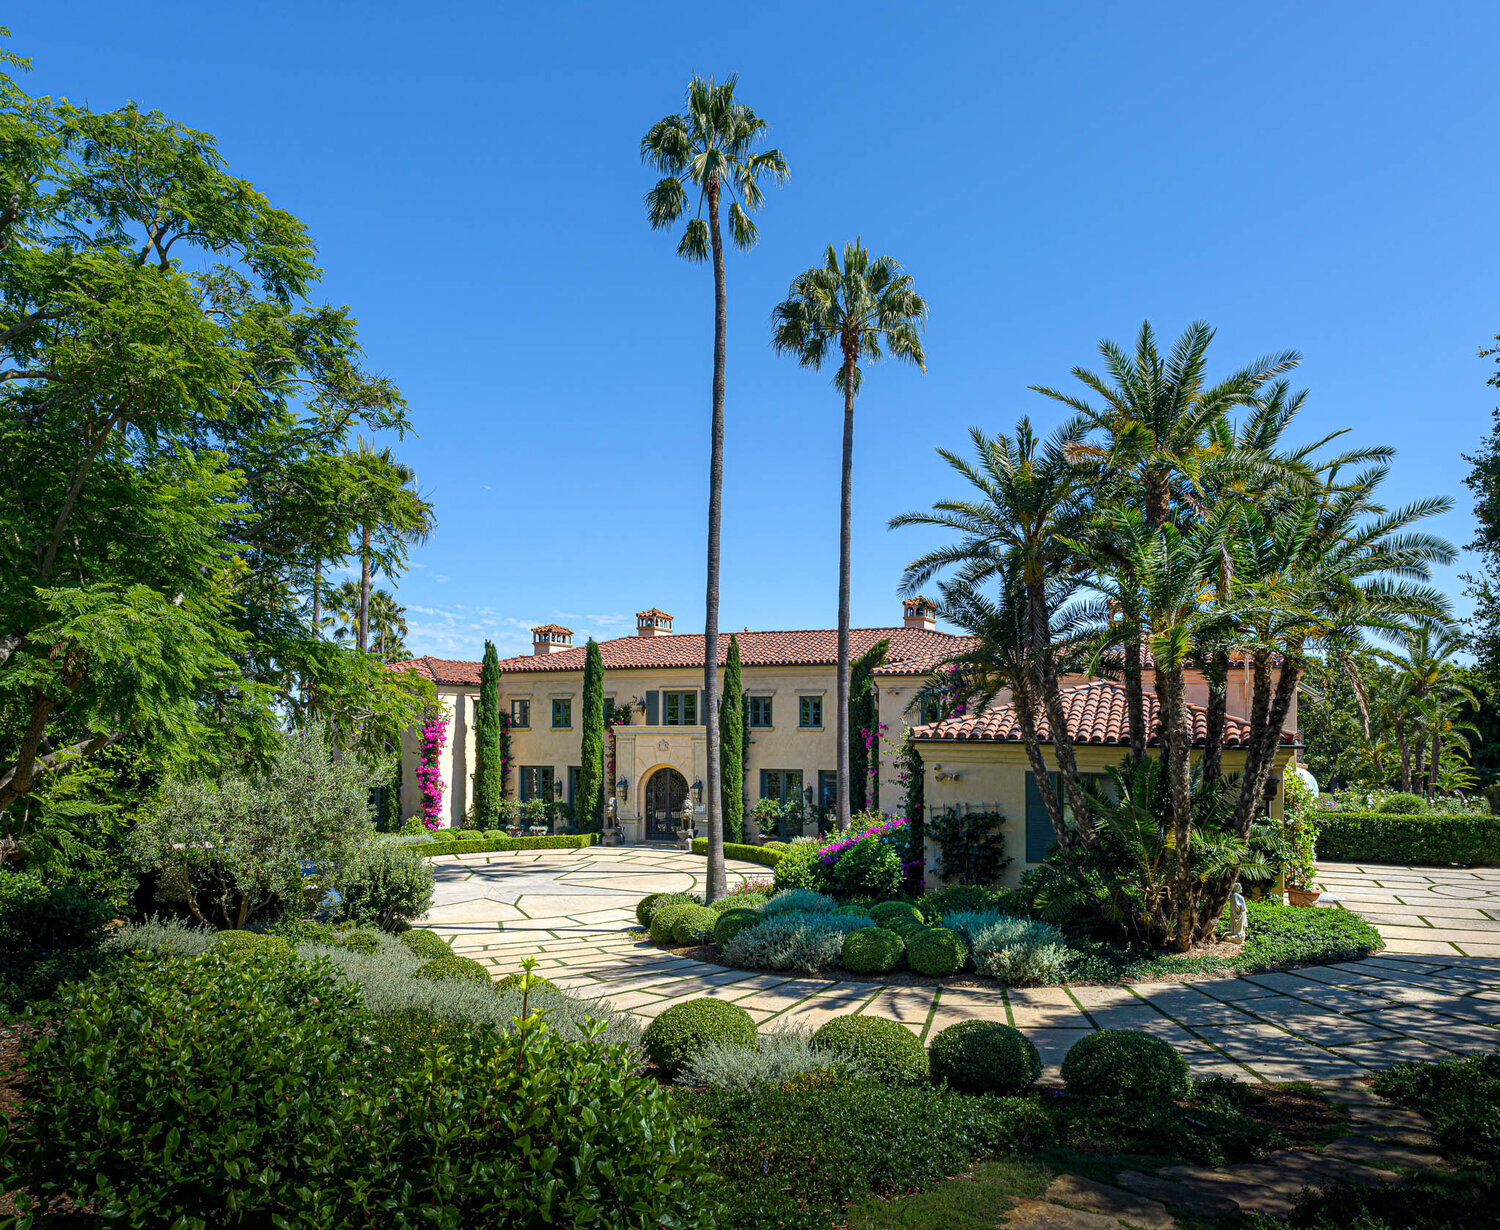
<point x="653" y="708"/>
<point x="1040" y="837"/>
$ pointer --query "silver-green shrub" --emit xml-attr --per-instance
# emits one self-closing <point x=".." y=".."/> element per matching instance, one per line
<point x="800" y="900"/>
<point x="777" y="1056"/>
<point x="1015" y="951"/>
<point x="163" y="935"/>
<point x="809" y="943"/>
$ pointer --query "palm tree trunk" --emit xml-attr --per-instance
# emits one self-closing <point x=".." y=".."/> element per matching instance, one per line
<point x="1218" y="705"/>
<point x="1177" y="737"/>
<point x="1135" y="701"/>
<point x="846" y="529"/>
<point x="364" y="591"/>
<point x="1432" y="765"/>
<point x="1405" y="754"/>
<point x="1062" y="743"/>
<point x="1026" y="713"/>
<point x="717" y="885"/>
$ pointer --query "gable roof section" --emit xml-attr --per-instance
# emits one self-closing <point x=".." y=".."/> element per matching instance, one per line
<point x="1096" y="714"/>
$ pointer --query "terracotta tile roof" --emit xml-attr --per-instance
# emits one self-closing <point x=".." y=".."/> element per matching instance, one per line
<point x="913" y="651"/>
<point x="552" y="628"/>
<point x="1096" y="714"/>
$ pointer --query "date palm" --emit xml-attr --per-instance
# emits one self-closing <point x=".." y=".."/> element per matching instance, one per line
<point x="707" y="151"/>
<point x="863" y="308"/>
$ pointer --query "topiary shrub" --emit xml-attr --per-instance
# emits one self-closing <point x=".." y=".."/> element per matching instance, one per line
<point x="451" y="966"/>
<point x="885" y="1050"/>
<point x="732" y="922"/>
<point x="1116" y="1062"/>
<point x="936" y="952"/>
<point x="889" y="911"/>
<point x="385" y="886"/>
<point x="425" y="943"/>
<point x="984" y="1057"/>
<point x="1400" y="804"/>
<point x="684" y="1029"/>
<point x="526" y="982"/>
<point x="872" y="950"/>
<point x="251" y="943"/>
<point x="643" y="908"/>
<point x="905" y="927"/>
<point x="665" y="917"/>
<point x="646" y="908"/>
<point x="695" y="926"/>
<point x="495" y="834"/>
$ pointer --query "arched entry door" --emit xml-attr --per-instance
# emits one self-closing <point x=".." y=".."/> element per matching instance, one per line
<point x="666" y="791"/>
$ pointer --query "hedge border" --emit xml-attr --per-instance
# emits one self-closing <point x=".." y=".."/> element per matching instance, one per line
<point x="733" y="849"/>
<point x="1379" y="837"/>
<point x="502" y="845"/>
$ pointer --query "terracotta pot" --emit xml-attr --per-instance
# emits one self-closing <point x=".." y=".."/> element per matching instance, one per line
<point x="1303" y="896"/>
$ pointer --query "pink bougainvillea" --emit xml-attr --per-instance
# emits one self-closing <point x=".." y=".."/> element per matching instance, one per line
<point x="892" y="831"/>
<point x="429" y="780"/>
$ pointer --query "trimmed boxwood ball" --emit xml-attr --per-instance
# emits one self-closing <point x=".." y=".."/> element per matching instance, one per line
<point x="936" y="952"/>
<point x="887" y="911"/>
<point x="696" y="926"/>
<point x="643" y="908"/>
<point x="251" y="943"/>
<point x="683" y="1030"/>
<point x="524" y="982"/>
<point x="885" y="1050"/>
<point x="732" y="922"/>
<point x="872" y="950"/>
<point x="903" y="926"/>
<point x="424" y="943"/>
<point x="462" y="968"/>
<point x="665" y="918"/>
<point x="1115" y="1062"/>
<point x="984" y="1057"/>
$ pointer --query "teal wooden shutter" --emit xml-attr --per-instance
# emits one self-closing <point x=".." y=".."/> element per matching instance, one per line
<point x="702" y="708"/>
<point x="653" y="708"/>
<point x="1039" y="835"/>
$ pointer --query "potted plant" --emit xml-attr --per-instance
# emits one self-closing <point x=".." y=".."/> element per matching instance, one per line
<point x="1301" y="864"/>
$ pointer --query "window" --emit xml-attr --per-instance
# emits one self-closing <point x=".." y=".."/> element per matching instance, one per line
<point x="810" y="712"/>
<point x="536" y="782"/>
<point x="1039" y="835"/>
<point x="574" y="773"/>
<point x="520" y="713"/>
<point x="930" y="710"/>
<point x="828" y="788"/>
<point x="562" y="713"/>
<point x="681" y="708"/>
<point x="759" y="710"/>
<point x="783" y="785"/>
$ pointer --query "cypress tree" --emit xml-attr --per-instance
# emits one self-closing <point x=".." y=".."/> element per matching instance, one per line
<point x="589" y="804"/>
<point x="732" y="747"/>
<point x="862" y="718"/>
<point x="489" y="783"/>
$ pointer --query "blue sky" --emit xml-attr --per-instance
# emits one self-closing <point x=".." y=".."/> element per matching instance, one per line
<point x="1309" y="176"/>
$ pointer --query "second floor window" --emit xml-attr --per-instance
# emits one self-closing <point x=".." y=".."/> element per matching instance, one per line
<point x="931" y="712"/>
<point x="562" y="713"/>
<point x="679" y="708"/>
<point x="810" y="712"/>
<point x="520" y="713"/>
<point x="758" y="710"/>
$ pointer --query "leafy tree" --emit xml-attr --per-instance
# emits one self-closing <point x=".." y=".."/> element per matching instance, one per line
<point x="489" y="789"/>
<point x="590" y="810"/>
<point x="864" y="721"/>
<point x="732" y="746"/>
<point x="709" y="147"/>
<point x="864" y="308"/>
<point x="173" y="417"/>
<point x="390" y="513"/>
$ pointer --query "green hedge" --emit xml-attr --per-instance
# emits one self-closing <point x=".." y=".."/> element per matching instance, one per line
<point x="1375" y="837"/>
<point x="764" y="855"/>
<point x="495" y="845"/>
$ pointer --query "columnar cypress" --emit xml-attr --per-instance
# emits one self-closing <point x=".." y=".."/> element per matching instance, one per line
<point x="489" y="781"/>
<point x="589" y="804"/>
<point x="862" y="719"/>
<point x="732" y="747"/>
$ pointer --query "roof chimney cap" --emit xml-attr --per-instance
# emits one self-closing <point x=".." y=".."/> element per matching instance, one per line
<point x="653" y="623"/>
<point x="920" y="613"/>
<point x="550" y="638"/>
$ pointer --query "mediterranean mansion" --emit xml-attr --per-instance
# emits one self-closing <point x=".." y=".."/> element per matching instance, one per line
<point x="660" y="759"/>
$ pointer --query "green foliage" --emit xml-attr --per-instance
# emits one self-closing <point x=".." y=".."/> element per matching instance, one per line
<point x="971" y="846"/>
<point x="489" y="784"/>
<point x="768" y="855"/>
<point x="453" y="966"/>
<point x="424" y="943"/>
<point x="886" y="1050"/>
<point x="1460" y="1096"/>
<point x="684" y="1029"/>
<point x="863" y="718"/>
<point x="936" y="952"/>
<point x="525" y="981"/>
<point x="589" y="804"/>
<point x="776" y="1057"/>
<point x="1401" y="804"/>
<point x="453" y="843"/>
<point x="696" y="926"/>
<point x="36" y="914"/>
<point x="935" y="906"/>
<point x="251" y="944"/>
<point x="1285" y="935"/>
<point x="732" y="921"/>
<point x="385" y="886"/>
<point x="807" y="943"/>
<point x="1207" y="1132"/>
<point x="1125" y="1063"/>
<point x="732" y="750"/>
<point x="643" y="908"/>
<point x="872" y="950"/>
<point x="888" y="911"/>
<point x="229" y="849"/>
<point x="871" y="867"/>
<point x="646" y="908"/>
<point x="800" y="867"/>
<point x="1470" y="841"/>
<point x="666" y="917"/>
<point x="793" y="1155"/>
<point x="984" y="1057"/>
<point x="1015" y="951"/>
<point x="802" y="900"/>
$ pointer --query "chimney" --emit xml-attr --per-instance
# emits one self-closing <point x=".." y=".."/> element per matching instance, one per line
<point x="550" y="638"/>
<point x="920" y="614"/>
<point x="653" y="623"/>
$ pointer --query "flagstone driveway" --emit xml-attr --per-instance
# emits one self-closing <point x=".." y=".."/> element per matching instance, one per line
<point x="1435" y="991"/>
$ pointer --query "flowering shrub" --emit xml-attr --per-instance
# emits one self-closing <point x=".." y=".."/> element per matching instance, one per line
<point x="429" y="780"/>
<point x="868" y="861"/>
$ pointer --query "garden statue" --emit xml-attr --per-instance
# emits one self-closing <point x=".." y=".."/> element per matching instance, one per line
<point x="685" y="833"/>
<point x="612" y="835"/>
<point x="1239" y="916"/>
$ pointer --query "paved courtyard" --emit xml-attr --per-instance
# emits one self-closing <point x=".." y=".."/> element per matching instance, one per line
<point x="1435" y="991"/>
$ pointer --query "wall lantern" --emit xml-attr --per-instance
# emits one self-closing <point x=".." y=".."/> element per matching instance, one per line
<point x="622" y="788"/>
<point x="698" y="791"/>
<point x="557" y="790"/>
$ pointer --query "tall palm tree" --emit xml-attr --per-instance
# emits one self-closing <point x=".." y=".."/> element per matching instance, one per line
<point x="864" y="307"/>
<point x="388" y="625"/>
<point x="709" y="146"/>
<point x="1425" y="673"/>
<point x="391" y="515"/>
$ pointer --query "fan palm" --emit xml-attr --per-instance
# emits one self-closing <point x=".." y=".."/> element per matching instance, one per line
<point x="709" y="147"/>
<point x="388" y="625"/>
<point x="1425" y="669"/>
<point x="864" y="308"/>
